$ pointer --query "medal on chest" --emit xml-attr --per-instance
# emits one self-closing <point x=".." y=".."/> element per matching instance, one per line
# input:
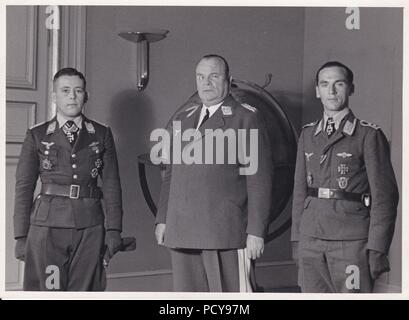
<point x="310" y="179"/>
<point x="343" y="182"/>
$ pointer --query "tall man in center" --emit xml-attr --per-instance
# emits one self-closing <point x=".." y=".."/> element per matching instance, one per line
<point x="214" y="217"/>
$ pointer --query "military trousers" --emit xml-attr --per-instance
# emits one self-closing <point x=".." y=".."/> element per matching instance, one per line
<point x="196" y="270"/>
<point x="64" y="259"/>
<point x="331" y="266"/>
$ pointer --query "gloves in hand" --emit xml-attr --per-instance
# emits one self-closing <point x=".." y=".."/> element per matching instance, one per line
<point x="113" y="243"/>
<point x="378" y="263"/>
<point x="20" y="248"/>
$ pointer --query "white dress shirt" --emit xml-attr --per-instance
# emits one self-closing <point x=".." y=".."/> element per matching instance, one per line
<point x="212" y="110"/>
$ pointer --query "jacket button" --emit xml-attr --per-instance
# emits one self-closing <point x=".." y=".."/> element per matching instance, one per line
<point x="73" y="155"/>
<point x="75" y="176"/>
<point x="74" y="166"/>
<point x="46" y="152"/>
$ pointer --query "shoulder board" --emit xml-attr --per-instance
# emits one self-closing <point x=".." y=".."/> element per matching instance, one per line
<point x="249" y="107"/>
<point x="365" y="123"/>
<point x="310" y="124"/>
<point x="90" y="127"/>
<point x="38" y="124"/>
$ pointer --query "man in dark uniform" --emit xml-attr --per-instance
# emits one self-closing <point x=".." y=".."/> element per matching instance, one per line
<point x="61" y="235"/>
<point x="345" y="194"/>
<point x="212" y="216"/>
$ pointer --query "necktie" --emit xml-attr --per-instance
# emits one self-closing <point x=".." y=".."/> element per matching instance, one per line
<point x="71" y="131"/>
<point x="206" y="117"/>
<point x="330" y="128"/>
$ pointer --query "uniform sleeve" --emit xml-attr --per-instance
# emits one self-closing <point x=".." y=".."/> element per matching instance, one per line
<point x="300" y="190"/>
<point x="111" y="185"/>
<point x="259" y="183"/>
<point x="384" y="191"/>
<point x="164" y="195"/>
<point x="166" y="180"/>
<point x="26" y="180"/>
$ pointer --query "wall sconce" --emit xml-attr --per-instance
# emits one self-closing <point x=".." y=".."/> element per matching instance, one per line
<point x="142" y="40"/>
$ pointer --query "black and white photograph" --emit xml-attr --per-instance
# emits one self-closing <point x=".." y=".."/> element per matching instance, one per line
<point x="173" y="150"/>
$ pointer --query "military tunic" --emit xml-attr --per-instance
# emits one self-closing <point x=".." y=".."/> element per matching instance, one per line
<point x="212" y="207"/>
<point x="355" y="159"/>
<point x="54" y="219"/>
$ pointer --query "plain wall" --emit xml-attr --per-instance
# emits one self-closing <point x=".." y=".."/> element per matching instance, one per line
<point x="255" y="41"/>
<point x="374" y="53"/>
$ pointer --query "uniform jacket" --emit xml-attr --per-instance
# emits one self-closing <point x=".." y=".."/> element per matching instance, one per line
<point x="213" y="206"/>
<point x="356" y="158"/>
<point x="47" y="154"/>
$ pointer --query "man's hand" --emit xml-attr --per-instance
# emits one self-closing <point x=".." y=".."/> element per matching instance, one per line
<point x="160" y="233"/>
<point x="378" y="263"/>
<point x="254" y="246"/>
<point x="20" y="248"/>
<point x="113" y="244"/>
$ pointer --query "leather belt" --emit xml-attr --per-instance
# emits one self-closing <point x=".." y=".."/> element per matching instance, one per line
<point x="326" y="193"/>
<point x="73" y="191"/>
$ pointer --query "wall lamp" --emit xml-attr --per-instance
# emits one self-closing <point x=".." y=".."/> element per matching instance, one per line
<point x="142" y="40"/>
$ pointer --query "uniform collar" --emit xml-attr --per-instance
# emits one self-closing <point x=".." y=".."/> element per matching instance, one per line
<point x="212" y="110"/>
<point x="348" y="126"/>
<point x="52" y="125"/>
<point x="337" y="117"/>
<point x="61" y="120"/>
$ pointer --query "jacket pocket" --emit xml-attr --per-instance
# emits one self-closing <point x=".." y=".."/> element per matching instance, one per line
<point x="48" y="160"/>
<point x="353" y="208"/>
<point x="42" y="210"/>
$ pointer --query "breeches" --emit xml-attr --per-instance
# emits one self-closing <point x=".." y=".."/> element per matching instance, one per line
<point x="333" y="266"/>
<point x="64" y="259"/>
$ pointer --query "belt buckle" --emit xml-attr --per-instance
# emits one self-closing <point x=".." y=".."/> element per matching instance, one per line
<point x="324" y="193"/>
<point x="74" y="191"/>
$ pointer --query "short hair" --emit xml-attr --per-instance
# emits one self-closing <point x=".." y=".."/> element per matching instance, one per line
<point x="216" y="56"/>
<point x="350" y="74"/>
<point x="70" y="72"/>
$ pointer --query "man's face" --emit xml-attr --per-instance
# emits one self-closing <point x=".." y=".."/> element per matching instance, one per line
<point x="333" y="89"/>
<point x="211" y="81"/>
<point x="69" y="96"/>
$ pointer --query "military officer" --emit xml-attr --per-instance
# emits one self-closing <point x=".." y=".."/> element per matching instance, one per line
<point x="345" y="194"/>
<point x="212" y="218"/>
<point x="61" y="235"/>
